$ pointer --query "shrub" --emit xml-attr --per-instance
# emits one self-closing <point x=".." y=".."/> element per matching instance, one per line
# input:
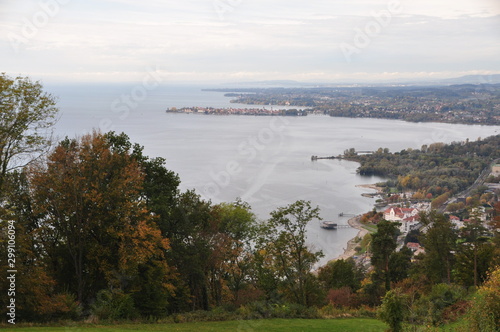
<point x="113" y="304"/>
<point x="263" y="309"/>
<point x="484" y="313"/>
<point x="394" y="309"/>
<point x="435" y="307"/>
<point x="341" y="297"/>
<point x="59" y="307"/>
<point x="330" y="311"/>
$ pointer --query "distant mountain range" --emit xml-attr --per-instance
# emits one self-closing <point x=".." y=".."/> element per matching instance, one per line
<point x="473" y="79"/>
<point x="468" y="79"/>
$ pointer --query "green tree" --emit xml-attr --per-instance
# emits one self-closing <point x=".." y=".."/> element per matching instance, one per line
<point x="399" y="264"/>
<point x="27" y="114"/>
<point x="383" y="245"/>
<point x="239" y="225"/>
<point x="394" y="309"/>
<point x="478" y="261"/>
<point x="440" y="244"/>
<point x="189" y="232"/>
<point x="474" y="253"/>
<point x="37" y="296"/>
<point x="283" y="241"/>
<point x="341" y="273"/>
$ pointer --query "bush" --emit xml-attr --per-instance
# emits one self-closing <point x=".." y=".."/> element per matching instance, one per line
<point x="59" y="307"/>
<point x="341" y="297"/>
<point x="330" y="311"/>
<point x="484" y="313"/>
<point x="394" y="309"/>
<point x="254" y="310"/>
<point x="113" y="304"/>
<point x="262" y="309"/>
<point x="434" y="307"/>
<point x="215" y="315"/>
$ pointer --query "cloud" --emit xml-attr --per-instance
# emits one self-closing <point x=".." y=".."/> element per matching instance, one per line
<point x="260" y="39"/>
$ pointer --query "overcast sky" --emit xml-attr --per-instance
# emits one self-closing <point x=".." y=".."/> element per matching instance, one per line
<point x="248" y="40"/>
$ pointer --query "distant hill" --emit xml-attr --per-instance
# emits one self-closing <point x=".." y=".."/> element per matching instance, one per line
<point x="473" y="79"/>
<point x="468" y="79"/>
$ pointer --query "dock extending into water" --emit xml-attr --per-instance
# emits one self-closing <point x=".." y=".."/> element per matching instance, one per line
<point x="318" y="158"/>
<point x="332" y="225"/>
<point x="313" y="157"/>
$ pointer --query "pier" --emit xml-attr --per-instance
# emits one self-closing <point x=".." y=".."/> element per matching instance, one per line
<point x="333" y="225"/>
<point x="313" y="158"/>
<point x="318" y="158"/>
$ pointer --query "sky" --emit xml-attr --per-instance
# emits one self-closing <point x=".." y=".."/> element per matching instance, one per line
<point x="248" y="40"/>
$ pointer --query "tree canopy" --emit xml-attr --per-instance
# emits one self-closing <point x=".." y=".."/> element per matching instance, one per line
<point x="27" y="114"/>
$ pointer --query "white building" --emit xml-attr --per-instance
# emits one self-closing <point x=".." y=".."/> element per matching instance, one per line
<point x="408" y="217"/>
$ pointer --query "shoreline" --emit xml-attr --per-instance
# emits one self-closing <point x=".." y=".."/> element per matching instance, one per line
<point x="374" y="186"/>
<point x="354" y="222"/>
<point x="350" y="251"/>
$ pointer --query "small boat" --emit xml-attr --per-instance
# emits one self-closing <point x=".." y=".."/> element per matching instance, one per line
<point x="328" y="225"/>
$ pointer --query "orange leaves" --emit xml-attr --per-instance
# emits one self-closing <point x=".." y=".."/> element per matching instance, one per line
<point x="89" y="192"/>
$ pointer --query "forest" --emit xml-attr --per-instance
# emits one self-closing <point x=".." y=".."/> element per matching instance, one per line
<point x="452" y="177"/>
<point x="436" y="168"/>
<point x="92" y="229"/>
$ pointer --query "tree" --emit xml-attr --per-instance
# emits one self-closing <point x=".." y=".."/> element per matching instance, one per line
<point x="341" y="273"/>
<point x="26" y="115"/>
<point x="495" y="226"/>
<point x="37" y="294"/>
<point x="474" y="254"/>
<point x="484" y="313"/>
<point x="188" y="230"/>
<point x="394" y="309"/>
<point x="440" y="200"/>
<point x="238" y="223"/>
<point x="96" y="228"/>
<point x="440" y="244"/>
<point x="399" y="264"/>
<point x="382" y="247"/>
<point x="283" y="241"/>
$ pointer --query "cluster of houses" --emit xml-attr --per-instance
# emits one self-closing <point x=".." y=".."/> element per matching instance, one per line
<point x="225" y="111"/>
<point x="408" y="217"/>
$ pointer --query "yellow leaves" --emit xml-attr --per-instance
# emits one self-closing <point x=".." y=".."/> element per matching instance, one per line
<point x="140" y="243"/>
<point x="484" y="313"/>
<point x="367" y="280"/>
<point x="419" y="195"/>
<point x="89" y="191"/>
<point x="493" y="283"/>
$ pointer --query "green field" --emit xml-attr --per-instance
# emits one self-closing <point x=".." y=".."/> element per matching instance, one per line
<point x="370" y="228"/>
<point x="270" y="325"/>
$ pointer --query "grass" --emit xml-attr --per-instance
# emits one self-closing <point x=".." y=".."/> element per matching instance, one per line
<point x="264" y="325"/>
<point x="370" y="228"/>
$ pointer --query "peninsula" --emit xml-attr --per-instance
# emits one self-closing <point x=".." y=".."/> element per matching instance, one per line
<point x="465" y="103"/>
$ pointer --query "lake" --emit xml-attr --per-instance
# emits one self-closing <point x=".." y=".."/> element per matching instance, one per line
<point x="266" y="161"/>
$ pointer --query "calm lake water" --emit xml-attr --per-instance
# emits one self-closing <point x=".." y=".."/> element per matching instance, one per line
<point x="263" y="160"/>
